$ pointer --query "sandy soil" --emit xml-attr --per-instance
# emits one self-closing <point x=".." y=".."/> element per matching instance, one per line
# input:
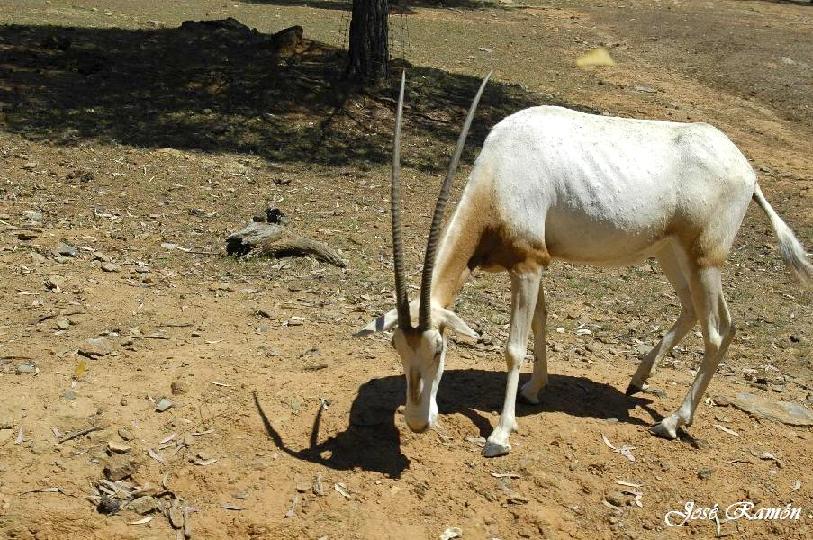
<point x="143" y="146"/>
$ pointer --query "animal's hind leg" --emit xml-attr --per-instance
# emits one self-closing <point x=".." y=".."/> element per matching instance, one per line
<point x="530" y="390"/>
<point x="718" y="331"/>
<point x="669" y="258"/>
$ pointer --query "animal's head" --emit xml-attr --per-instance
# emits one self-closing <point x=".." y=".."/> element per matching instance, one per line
<point x="422" y="347"/>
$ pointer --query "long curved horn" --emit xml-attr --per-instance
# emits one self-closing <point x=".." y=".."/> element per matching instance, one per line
<point x="402" y="299"/>
<point x="437" y="217"/>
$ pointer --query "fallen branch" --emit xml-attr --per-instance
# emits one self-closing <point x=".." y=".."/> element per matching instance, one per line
<point x="273" y="239"/>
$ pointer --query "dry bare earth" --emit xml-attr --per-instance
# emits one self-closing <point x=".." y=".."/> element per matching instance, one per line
<point x="136" y="137"/>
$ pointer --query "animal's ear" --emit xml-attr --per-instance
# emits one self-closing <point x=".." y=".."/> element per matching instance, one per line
<point x="450" y="320"/>
<point x="385" y="322"/>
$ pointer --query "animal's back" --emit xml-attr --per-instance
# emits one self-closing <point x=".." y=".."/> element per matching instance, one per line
<point x="604" y="189"/>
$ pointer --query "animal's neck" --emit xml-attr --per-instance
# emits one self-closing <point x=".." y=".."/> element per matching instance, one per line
<point x="458" y="247"/>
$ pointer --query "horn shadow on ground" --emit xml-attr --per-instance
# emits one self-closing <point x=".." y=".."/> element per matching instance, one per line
<point x="372" y="441"/>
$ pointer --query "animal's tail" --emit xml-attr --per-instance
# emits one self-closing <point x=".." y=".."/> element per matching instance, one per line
<point x="789" y="247"/>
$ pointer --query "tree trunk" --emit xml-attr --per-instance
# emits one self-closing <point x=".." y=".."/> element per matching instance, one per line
<point x="369" y="47"/>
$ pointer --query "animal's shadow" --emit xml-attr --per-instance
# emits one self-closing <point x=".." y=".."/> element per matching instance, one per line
<point x="372" y="442"/>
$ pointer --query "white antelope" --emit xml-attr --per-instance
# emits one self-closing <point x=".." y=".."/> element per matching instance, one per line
<point x="551" y="183"/>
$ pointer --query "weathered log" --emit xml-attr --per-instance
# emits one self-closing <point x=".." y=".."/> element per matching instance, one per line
<point x="272" y="238"/>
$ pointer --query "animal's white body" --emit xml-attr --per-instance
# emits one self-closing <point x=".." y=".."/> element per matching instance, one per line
<point x="551" y="183"/>
<point x="606" y="190"/>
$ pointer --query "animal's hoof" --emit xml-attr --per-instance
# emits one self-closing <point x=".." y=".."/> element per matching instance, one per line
<point x="633" y="389"/>
<point x="494" y="449"/>
<point x="528" y="397"/>
<point x="662" y="429"/>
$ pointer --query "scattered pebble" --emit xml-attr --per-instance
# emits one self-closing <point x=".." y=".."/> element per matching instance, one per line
<point x="66" y="250"/>
<point x="95" y="347"/>
<point x="118" y="469"/>
<point x="26" y="368"/>
<point x="616" y="498"/>
<point x="118" y="448"/>
<point x="176" y="517"/>
<point x="451" y="532"/>
<point x="179" y="387"/>
<point x="163" y="404"/>
<point x="144" y="505"/>
<point x="32" y="215"/>
<point x="645" y="89"/>
<point x="55" y="282"/>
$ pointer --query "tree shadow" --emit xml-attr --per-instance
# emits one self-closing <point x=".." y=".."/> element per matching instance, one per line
<point x="223" y="88"/>
<point x="396" y="6"/>
<point x="372" y="441"/>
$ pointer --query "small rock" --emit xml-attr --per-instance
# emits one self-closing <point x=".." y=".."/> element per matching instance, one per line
<point x="63" y="324"/>
<point x="163" y="404"/>
<point x="786" y="412"/>
<point x="616" y="498"/>
<point x="642" y="349"/>
<point x="176" y="518"/>
<point x="704" y="474"/>
<point x="69" y="395"/>
<point x="118" y="448"/>
<point x="644" y="88"/>
<point x="303" y="487"/>
<point x="108" y="505"/>
<point x="124" y="402"/>
<point x="118" y="469"/>
<point x="55" y="282"/>
<point x="99" y="256"/>
<point x="95" y="347"/>
<point x="450" y="533"/>
<point x="32" y="215"/>
<point x="26" y="368"/>
<point x="262" y="328"/>
<point x="66" y="250"/>
<point x="144" y="505"/>
<point x="125" y="434"/>
<point x="110" y="267"/>
<point x="179" y="387"/>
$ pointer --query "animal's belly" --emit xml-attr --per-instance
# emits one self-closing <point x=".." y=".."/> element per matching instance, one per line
<point x="602" y="242"/>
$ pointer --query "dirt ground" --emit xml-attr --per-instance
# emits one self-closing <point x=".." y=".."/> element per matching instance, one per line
<point x="142" y="145"/>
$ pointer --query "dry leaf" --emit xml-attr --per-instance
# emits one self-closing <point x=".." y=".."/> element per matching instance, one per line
<point x="80" y="370"/>
<point x="596" y="57"/>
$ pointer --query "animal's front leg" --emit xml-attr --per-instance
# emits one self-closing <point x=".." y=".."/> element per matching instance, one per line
<point x="524" y="288"/>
